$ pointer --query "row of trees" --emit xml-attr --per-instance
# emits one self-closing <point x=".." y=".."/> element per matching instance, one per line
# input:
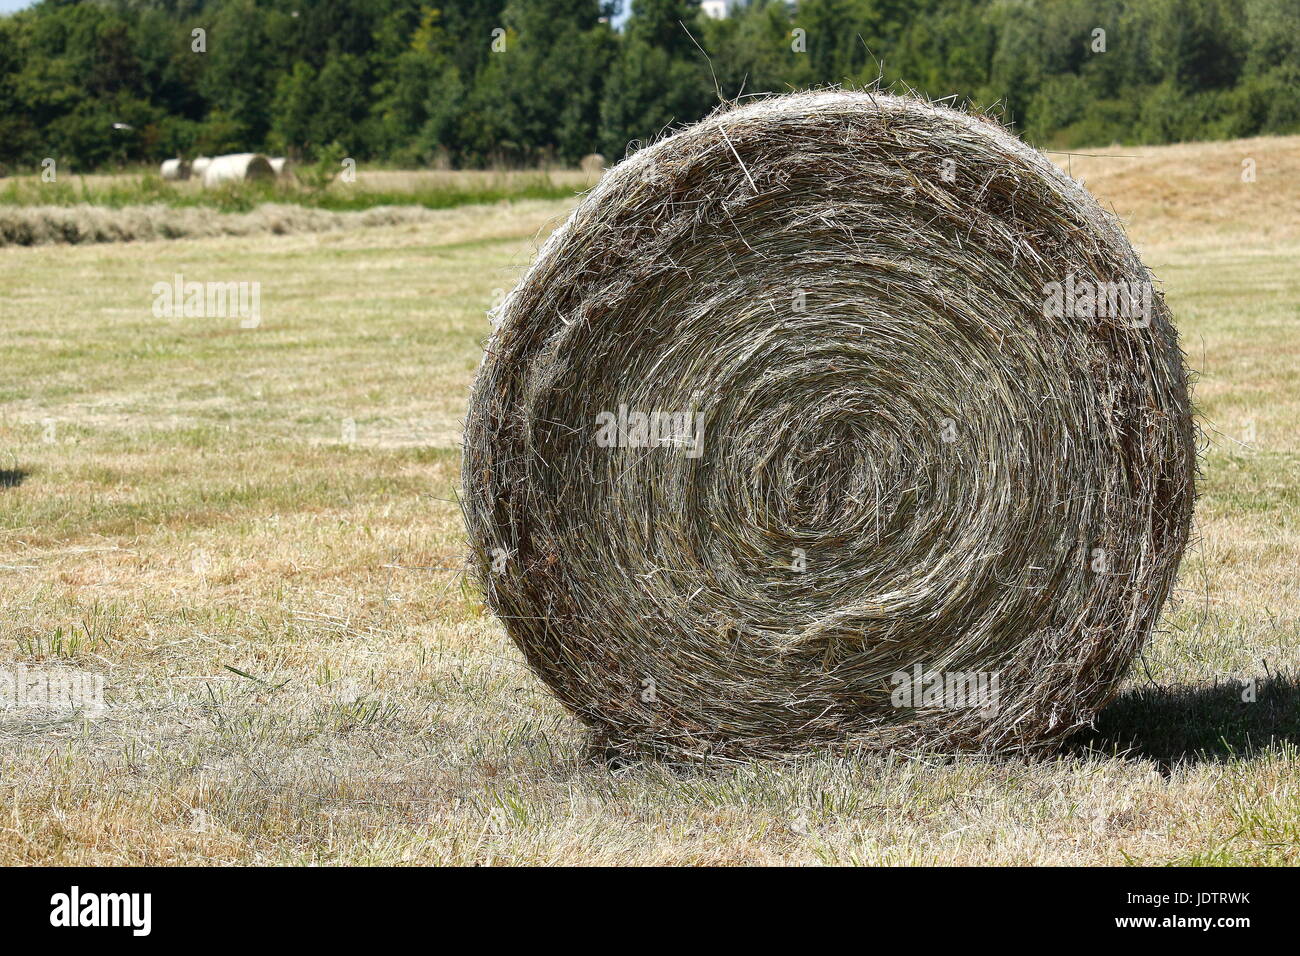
<point x="473" y="82"/>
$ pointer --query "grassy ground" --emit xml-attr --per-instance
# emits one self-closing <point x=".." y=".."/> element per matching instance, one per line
<point x="296" y="673"/>
<point x="430" y="189"/>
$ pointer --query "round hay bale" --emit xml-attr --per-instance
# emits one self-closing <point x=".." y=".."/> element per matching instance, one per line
<point x="200" y="166"/>
<point x="282" y="167"/>
<point x="175" y="169"/>
<point x="237" y="168"/>
<point x="805" y="430"/>
<point x="593" y="163"/>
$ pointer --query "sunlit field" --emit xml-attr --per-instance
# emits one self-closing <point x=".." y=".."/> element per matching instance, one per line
<point x="250" y="532"/>
<point x="323" y="186"/>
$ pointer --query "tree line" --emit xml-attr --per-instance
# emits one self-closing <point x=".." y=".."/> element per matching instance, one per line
<point x="521" y="82"/>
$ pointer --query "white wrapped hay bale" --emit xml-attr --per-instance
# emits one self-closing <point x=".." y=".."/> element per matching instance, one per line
<point x="175" y="170"/>
<point x="238" y="168"/>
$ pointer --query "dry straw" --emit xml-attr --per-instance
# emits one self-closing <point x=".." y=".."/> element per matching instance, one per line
<point x="919" y="451"/>
<point x="86" y="223"/>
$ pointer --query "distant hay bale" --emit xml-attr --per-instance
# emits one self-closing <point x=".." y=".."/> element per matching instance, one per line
<point x="838" y="419"/>
<point x="200" y="166"/>
<point x="175" y="169"/>
<point x="282" y="167"/>
<point x="593" y="163"/>
<point x="237" y="168"/>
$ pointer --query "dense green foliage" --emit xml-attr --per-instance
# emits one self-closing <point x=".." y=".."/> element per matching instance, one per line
<point x="474" y="82"/>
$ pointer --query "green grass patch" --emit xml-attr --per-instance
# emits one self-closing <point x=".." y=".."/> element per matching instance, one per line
<point x="245" y="197"/>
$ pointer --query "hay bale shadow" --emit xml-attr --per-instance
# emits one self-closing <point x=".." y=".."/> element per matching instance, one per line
<point x="1195" y="723"/>
<point x="12" y="477"/>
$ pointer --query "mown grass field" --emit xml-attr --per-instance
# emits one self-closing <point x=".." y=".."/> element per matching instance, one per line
<point x="251" y="534"/>
<point x="429" y="189"/>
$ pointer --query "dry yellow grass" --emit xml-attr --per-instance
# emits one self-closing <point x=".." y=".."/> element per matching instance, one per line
<point x="1194" y="193"/>
<point x="398" y="180"/>
<point x="86" y="223"/>
<point x="185" y="496"/>
<point x="385" y="181"/>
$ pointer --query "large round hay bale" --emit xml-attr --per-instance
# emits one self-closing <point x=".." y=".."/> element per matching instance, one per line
<point x="593" y="163"/>
<point x="803" y="431"/>
<point x="237" y="168"/>
<point x="175" y="169"/>
<point x="200" y="166"/>
<point x="282" y="167"/>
